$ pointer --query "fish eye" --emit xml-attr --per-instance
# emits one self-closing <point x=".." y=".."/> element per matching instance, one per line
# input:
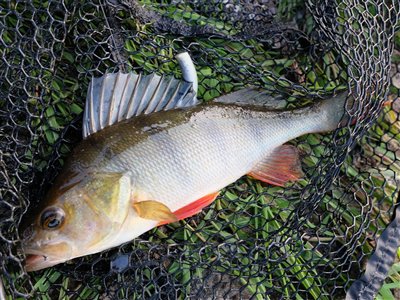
<point x="52" y="218"/>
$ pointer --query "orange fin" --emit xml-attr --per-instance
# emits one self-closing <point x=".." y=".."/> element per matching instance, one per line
<point x="154" y="210"/>
<point x="193" y="208"/>
<point x="281" y="166"/>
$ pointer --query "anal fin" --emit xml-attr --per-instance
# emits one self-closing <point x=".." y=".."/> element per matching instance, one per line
<point x="282" y="166"/>
<point x="193" y="208"/>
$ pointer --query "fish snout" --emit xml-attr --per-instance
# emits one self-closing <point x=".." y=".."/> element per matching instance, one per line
<point x="34" y="261"/>
<point x="40" y="256"/>
<point x="28" y="233"/>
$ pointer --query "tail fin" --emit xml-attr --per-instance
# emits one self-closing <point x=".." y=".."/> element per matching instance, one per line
<point x="334" y="112"/>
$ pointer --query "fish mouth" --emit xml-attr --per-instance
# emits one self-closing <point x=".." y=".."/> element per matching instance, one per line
<point x="36" y="261"/>
<point x="33" y="260"/>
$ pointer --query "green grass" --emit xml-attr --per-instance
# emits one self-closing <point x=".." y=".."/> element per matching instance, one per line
<point x="246" y="211"/>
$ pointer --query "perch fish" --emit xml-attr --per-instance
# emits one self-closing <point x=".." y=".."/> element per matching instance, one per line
<point x="152" y="155"/>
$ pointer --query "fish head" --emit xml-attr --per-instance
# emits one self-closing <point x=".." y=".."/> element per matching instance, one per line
<point x="76" y="217"/>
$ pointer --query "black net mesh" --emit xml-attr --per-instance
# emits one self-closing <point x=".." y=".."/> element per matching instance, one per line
<point x="309" y="240"/>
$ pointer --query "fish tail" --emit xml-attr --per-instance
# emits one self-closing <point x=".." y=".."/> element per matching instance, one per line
<point x="333" y="112"/>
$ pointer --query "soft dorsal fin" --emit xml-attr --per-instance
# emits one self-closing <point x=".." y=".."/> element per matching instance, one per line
<point x="253" y="96"/>
<point x="119" y="96"/>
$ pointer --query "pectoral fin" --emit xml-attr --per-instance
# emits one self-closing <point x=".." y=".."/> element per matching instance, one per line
<point x="281" y="166"/>
<point x="154" y="210"/>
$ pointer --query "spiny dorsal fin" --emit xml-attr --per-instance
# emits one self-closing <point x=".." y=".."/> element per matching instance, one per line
<point x="253" y="96"/>
<point x="118" y="96"/>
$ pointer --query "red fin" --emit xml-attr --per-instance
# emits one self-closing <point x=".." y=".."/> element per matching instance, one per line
<point x="281" y="166"/>
<point x="193" y="208"/>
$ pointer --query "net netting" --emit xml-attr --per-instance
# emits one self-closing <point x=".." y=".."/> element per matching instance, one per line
<point x="309" y="240"/>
